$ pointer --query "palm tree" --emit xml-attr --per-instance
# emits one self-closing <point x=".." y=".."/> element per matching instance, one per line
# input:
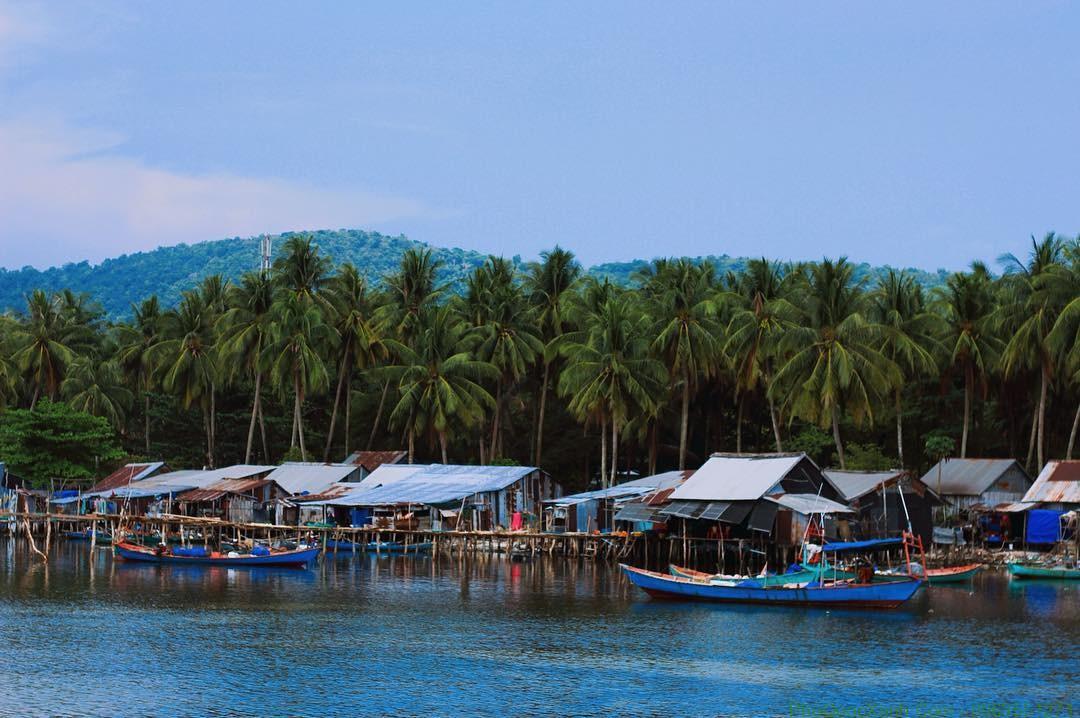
<point x="681" y="299"/>
<point x="300" y="268"/>
<point x="410" y="290"/>
<point x="297" y="339"/>
<point x="1028" y="316"/>
<point x="8" y="370"/>
<point x="186" y="358"/>
<point x="609" y="372"/>
<point x="245" y="328"/>
<point x="438" y="379"/>
<point x="507" y="338"/>
<point x="969" y="307"/>
<point x="1061" y="285"/>
<point x="832" y="360"/>
<point x="548" y="283"/>
<point x="97" y="387"/>
<point x="361" y="339"/>
<point x="136" y="355"/>
<point x="753" y="334"/>
<point x="43" y="350"/>
<point x="909" y="331"/>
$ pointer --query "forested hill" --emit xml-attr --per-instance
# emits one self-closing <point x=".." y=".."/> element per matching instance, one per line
<point x="118" y="282"/>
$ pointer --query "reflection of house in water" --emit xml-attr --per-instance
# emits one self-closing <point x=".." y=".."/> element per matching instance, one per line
<point x="876" y="499"/>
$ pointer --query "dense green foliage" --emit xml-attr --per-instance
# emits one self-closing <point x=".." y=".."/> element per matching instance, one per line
<point x="490" y="360"/>
<point x="54" y="441"/>
<point x="118" y="283"/>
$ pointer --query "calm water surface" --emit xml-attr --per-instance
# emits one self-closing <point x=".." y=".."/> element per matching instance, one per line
<point x="416" y="636"/>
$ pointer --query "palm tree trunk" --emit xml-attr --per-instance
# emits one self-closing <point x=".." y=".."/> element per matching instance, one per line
<point x="262" y="432"/>
<point x="899" y="430"/>
<point x="442" y="446"/>
<point x="614" y="451"/>
<point x="213" y="422"/>
<point x="1031" y="439"/>
<point x="1042" y="417"/>
<point x="738" y="426"/>
<point x="146" y="421"/>
<point x="653" y="447"/>
<point x="337" y="402"/>
<point x="378" y="415"/>
<point x="775" y="424"/>
<point x="969" y="382"/>
<point x="1072" y="434"/>
<point x="603" y="452"/>
<point x="412" y="446"/>
<point x="297" y="403"/>
<point x="685" y="425"/>
<point x="543" y="406"/>
<point x="34" y="398"/>
<point x="836" y="437"/>
<point x="348" y="410"/>
<point x="495" y="421"/>
<point x="254" y="417"/>
<point x="206" y="428"/>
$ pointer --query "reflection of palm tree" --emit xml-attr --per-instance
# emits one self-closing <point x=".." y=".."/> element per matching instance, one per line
<point x="833" y="362"/>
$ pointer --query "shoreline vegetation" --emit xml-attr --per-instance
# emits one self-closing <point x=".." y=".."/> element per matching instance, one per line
<point x="541" y="365"/>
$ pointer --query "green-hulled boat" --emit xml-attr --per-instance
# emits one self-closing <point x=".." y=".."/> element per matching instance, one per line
<point x="1028" y="570"/>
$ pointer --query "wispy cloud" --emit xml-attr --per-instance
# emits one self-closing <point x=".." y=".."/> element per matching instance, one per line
<point x="65" y="196"/>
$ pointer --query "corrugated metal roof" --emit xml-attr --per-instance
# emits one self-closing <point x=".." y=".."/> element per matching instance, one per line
<point x="967" y="477"/>
<point x="127" y="474"/>
<point x="853" y="484"/>
<point x="218" y="489"/>
<point x="737" y="478"/>
<point x="176" y="481"/>
<point x="372" y="460"/>
<point x="333" y="491"/>
<point x="434" y="484"/>
<point x="298" y="478"/>
<point x="808" y="504"/>
<point x="389" y="473"/>
<point x="637" y="487"/>
<point x="1057" y="483"/>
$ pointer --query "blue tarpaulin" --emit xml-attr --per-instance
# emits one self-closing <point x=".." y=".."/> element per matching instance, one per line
<point x="839" y="546"/>
<point x="1043" y="526"/>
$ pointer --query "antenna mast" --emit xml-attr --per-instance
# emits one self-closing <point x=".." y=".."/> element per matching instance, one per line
<point x="265" y="239"/>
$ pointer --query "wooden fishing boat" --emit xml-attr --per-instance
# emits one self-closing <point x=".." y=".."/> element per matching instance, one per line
<point x="952" y="574"/>
<point x="803" y="576"/>
<point x="888" y="594"/>
<point x="194" y="557"/>
<point x="1028" y="570"/>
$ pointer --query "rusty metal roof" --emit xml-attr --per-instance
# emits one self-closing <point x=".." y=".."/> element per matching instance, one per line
<point x="126" y="475"/>
<point x="215" y="491"/>
<point x="372" y="460"/>
<point x="1058" y="483"/>
<point x="969" y="477"/>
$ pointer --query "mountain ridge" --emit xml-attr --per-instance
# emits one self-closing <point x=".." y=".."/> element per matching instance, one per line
<point x="119" y="281"/>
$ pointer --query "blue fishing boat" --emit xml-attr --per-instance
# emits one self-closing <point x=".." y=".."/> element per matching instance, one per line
<point x="199" y="556"/>
<point x="888" y="594"/>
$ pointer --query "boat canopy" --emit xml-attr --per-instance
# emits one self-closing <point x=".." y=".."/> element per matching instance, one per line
<point x="840" y="546"/>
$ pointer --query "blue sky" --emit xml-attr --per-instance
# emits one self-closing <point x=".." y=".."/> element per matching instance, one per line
<point x="913" y="134"/>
